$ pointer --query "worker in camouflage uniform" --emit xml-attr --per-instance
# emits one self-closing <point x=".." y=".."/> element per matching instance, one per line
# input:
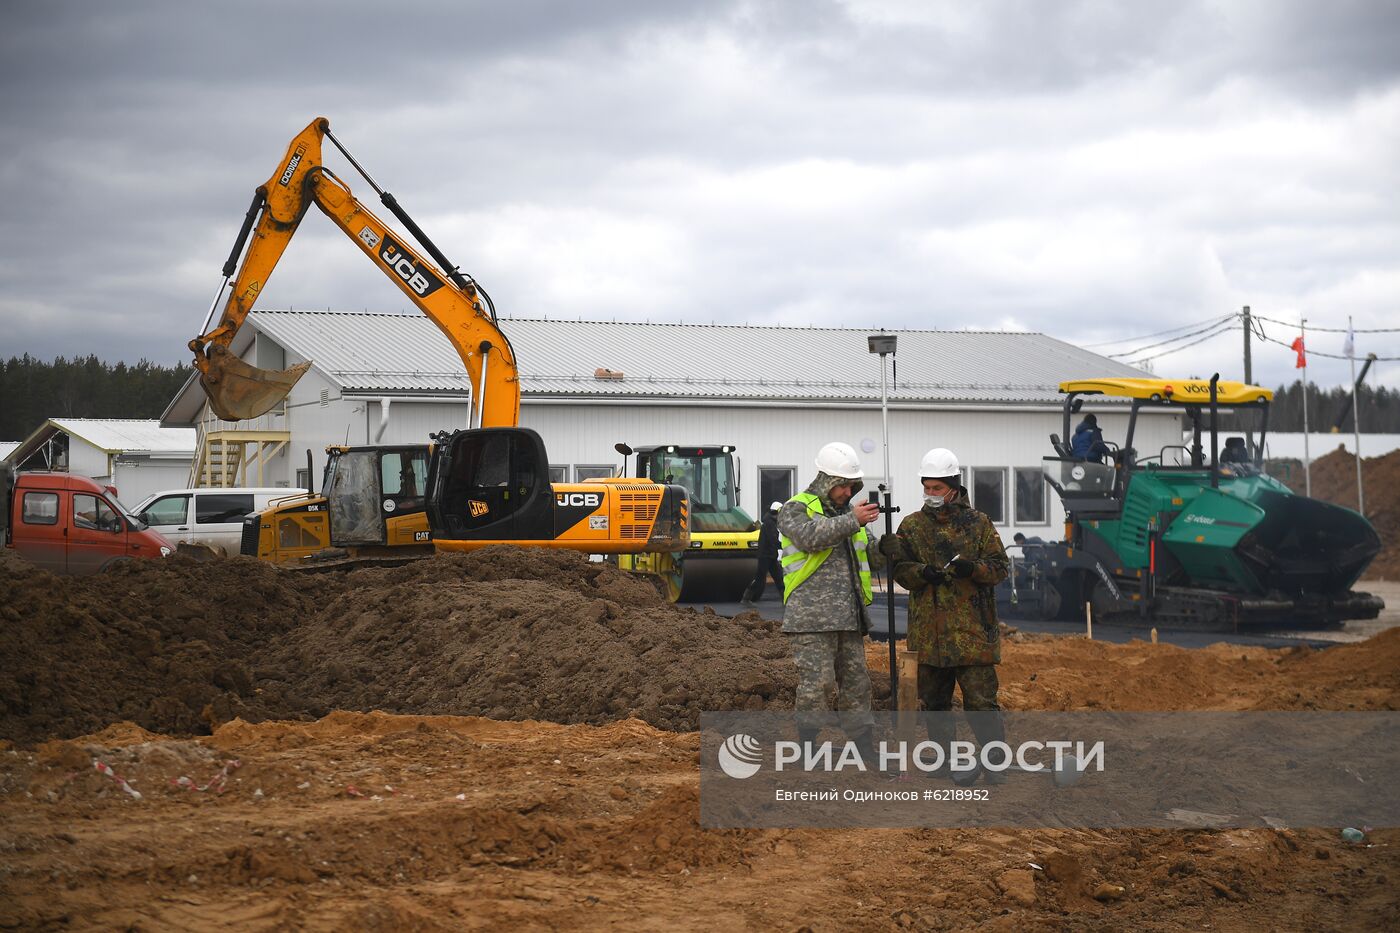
<point x="826" y="589"/>
<point x="950" y="559"/>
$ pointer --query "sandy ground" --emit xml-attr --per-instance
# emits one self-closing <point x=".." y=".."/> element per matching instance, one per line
<point x="375" y="821"/>
<point x="361" y="819"/>
<point x="403" y="822"/>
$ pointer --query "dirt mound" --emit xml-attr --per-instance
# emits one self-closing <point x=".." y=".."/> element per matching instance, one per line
<point x="154" y="642"/>
<point x="514" y="634"/>
<point x="177" y="646"/>
<point x="1334" y="480"/>
<point x="1071" y="673"/>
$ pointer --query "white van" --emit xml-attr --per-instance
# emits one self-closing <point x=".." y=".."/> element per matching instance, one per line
<point x="207" y="516"/>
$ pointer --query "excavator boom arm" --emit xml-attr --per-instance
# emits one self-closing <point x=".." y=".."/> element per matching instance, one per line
<point x="239" y="391"/>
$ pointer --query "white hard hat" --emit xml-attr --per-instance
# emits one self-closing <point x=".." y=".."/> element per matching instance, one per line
<point x="939" y="463"/>
<point x="838" y="459"/>
<point x="774" y="506"/>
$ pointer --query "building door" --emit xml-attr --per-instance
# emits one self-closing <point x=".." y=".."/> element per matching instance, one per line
<point x="775" y="484"/>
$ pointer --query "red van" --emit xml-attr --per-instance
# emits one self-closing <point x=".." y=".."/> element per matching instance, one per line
<point x="69" y="524"/>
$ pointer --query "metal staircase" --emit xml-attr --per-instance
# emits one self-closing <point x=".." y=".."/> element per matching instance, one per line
<point x="229" y="453"/>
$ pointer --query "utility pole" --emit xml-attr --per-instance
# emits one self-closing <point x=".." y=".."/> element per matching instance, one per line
<point x="1249" y="381"/>
<point x="1307" y="457"/>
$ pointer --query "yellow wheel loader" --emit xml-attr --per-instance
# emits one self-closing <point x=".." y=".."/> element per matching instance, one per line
<point x="485" y="485"/>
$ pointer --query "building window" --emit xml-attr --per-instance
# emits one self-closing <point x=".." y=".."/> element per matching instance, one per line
<point x="1030" y="496"/>
<point x="989" y="493"/>
<point x="304" y="479"/>
<point x="558" y="473"/>
<point x="775" y="484"/>
<point x="585" y="471"/>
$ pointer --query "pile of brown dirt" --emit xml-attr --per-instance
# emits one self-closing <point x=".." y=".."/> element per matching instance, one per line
<point x="154" y="642"/>
<point x="178" y="646"/>
<point x="1334" y="480"/>
<point x="519" y="634"/>
<point x="1041" y="672"/>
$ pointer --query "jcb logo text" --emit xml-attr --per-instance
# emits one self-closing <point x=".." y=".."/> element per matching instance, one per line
<point x="421" y="281"/>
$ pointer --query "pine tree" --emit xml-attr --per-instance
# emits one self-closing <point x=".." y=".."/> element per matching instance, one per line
<point x="34" y="391"/>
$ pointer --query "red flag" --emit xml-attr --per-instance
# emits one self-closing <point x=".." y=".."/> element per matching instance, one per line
<point x="1297" y="347"/>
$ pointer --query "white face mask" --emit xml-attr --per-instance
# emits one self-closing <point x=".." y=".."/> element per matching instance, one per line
<point x="935" y="502"/>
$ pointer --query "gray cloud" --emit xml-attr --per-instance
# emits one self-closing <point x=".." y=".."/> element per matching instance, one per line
<point x="1091" y="170"/>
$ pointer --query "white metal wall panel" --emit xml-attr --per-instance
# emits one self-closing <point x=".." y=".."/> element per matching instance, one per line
<point x="772" y="436"/>
<point x="85" y="459"/>
<point x="137" y="479"/>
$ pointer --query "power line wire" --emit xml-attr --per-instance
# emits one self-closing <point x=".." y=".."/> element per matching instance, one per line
<point x="1220" y="322"/>
<point x="1330" y="356"/>
<point x="1219" y="329"/>
<point x="1160" y="333"/>
<point x="1328" y="330"/>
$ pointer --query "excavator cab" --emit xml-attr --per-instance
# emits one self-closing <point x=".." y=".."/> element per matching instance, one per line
<point x="493" y="483"/>
<point x="491" y="486"/>
<point x="368" y="488"/>
<point x="371" y="505"/>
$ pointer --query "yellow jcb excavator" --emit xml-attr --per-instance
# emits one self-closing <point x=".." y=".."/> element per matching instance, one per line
<point x="485" y="485"/>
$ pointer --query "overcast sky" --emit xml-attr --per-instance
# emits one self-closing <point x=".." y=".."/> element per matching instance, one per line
<point x="1094" y="171"/>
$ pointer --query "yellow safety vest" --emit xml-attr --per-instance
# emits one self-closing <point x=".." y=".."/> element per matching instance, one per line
<point x="798" y="565"/>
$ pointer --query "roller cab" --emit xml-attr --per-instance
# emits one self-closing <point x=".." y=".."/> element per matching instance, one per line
<point x="722" y="556"/>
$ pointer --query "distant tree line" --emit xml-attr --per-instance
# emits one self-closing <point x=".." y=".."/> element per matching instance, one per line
<point x="1378" y="406"/>
<point x="32" y="391"/>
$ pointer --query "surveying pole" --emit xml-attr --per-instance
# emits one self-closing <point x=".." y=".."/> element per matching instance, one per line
<point x="884" y="344"/>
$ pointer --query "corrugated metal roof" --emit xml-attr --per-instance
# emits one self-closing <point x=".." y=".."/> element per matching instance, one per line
<point x="370" y="352"/>
<point x="122" y="435"/>
<point x="407" y="353"/>
<point x="110" y="435"/>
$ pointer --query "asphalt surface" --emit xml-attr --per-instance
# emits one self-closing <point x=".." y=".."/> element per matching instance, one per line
<point x="771" y="607"/>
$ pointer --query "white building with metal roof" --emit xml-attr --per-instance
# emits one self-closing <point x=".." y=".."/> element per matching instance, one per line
<point x="775" y="393"/>
<point x="138" y="456"/>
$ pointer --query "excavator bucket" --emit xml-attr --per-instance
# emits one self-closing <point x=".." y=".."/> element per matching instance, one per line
<point x="239" y="391"/>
